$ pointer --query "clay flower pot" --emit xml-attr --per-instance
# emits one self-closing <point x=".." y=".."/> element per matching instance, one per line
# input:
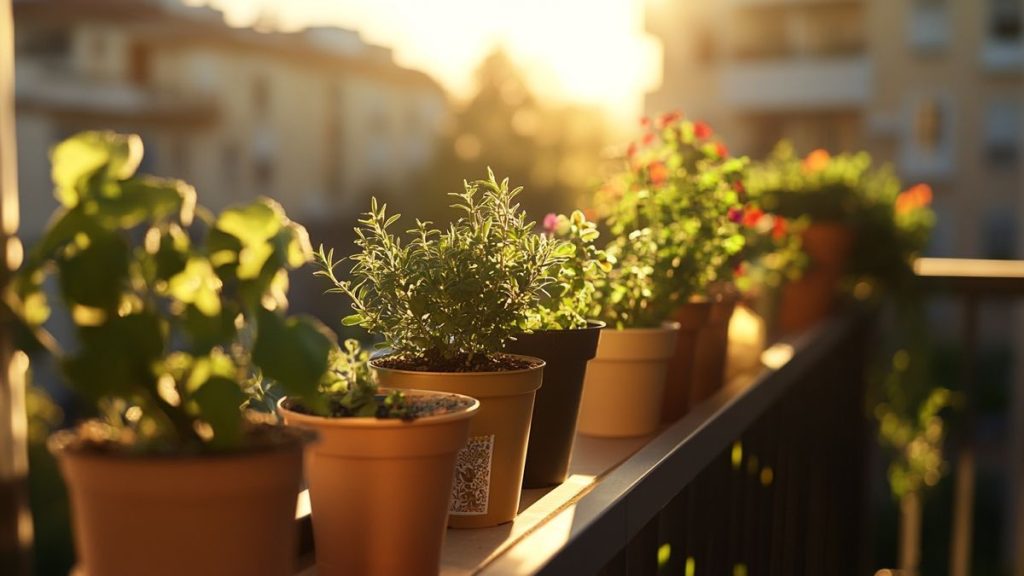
<point x="809" y="300"/>
<point x="379" y="488"/>
<point x="566" y="353"/>
<point x="692" y="317"/>
<point x="712" y="350"/>
<point x="625" y="382"/>
<point x="168" y="515"/>
<point x="489" y="470"/>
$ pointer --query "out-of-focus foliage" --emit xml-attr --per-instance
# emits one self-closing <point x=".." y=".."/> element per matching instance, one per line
<point x="169" y="331"/>
<point x="450" y="295"/>
<point x="669" y="213"/>
<point x="568" y="303"/>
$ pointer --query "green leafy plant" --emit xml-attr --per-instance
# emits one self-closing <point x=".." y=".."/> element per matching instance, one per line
<point x="567" y="305"/>
<point x="668" y="212"/>
<point x="450" y="299"/>
<point x="891" y="226"/>
<point x="174" y="320"/>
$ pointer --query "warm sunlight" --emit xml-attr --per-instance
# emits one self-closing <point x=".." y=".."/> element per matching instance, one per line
<point x="588" y="51"/>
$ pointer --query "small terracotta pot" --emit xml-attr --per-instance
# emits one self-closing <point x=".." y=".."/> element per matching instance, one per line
<point x="489" y="470"/>
<point x="692" y="317"/>
<point x="566" y="353"/>
<point x="712" y="350"/>
<point x="379" y="488"/>
<point x="167" y="515"/>
<point x="625" y="382"/>
<point x="812" y="298"/>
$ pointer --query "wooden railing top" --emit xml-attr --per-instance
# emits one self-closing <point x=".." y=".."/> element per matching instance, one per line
<point x="991" y="277"/>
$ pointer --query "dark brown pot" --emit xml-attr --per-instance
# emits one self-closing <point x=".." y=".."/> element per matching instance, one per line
<point x="557" y="405"/>
<point x="167" y="515"/>
<point x="712" y="349"/>
<point x="691" y="317"/>
<point x="809" y="300"/>
<point x="379" y="488"/>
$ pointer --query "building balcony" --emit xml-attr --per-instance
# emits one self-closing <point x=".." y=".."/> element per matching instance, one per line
<point x="796" y="84"/>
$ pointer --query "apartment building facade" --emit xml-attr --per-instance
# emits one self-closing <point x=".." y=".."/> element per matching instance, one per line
<point x="316" y="119"/>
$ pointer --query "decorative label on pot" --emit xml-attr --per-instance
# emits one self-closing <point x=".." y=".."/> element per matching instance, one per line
<point x="473" y="477"/>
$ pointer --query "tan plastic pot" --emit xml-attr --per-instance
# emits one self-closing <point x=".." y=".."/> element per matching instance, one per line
<point x="489" y="470"/>
<point x="165" y="515"/>
<point x="625" y="382"/>
<point x="379" y="489"/>
<point x="712" y="350"/>
<point x="812" y="298"/>
<point x="692" y="317"/>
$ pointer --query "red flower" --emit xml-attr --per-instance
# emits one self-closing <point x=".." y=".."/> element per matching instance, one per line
<point x="721" y="150"/>
<point x="631" y="150"/>
<point x="658" y="172"/>
<point x="752" y="216"/>
<point x="550" y="222"/>
<point x="702" y="130"/>
<point x="668" y="119"/>
<point x="648" y="139"/>
<point x="779" y="228"/>
<point x="738" y="187"/>
<point x="645" y="121"/>
<point x="740" y="269"/>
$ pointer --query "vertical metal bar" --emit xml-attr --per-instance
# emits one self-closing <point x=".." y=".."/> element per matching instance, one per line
<point x="963" y="497"/>
<point x="15" y="519"/>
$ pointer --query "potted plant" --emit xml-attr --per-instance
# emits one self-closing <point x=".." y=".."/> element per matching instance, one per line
<point x="381" y="474"/>
<point x="566" y="340"/>
<point x="844" y="198"/>
<point x="446" y="302"/>
<point x="171" y="477"/>
<point x="673" y="240"/>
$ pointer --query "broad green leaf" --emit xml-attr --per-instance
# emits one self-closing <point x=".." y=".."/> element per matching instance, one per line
<point x="292" y="352"/>
<point x="96" y="275"/>
<point x="197" y="284"/>
<point x="206" y="331"/>
<point x="220" y="402"/>
<point x="253" y="223"/>
<point x="116" y="357"/>
<point x="79" y="158"/>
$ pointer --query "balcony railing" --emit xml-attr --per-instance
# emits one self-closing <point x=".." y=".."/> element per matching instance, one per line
<point x="815" y="83"/>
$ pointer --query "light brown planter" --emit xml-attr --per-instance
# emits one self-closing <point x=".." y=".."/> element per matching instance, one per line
<point x="379" y="489"/>
<point x="489" y="470"/>
<point x="712" y="350"/>
<point x="166" y="515"/>
<point x="625" y="383"/>
<point x="692" y="317"/>
<point x="812" y="298"/>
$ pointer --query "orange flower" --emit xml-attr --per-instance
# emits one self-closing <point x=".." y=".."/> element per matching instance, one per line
<point x="658" y="172"/>
<point x="702" y="130"/>
<point x="668" y="119"/>
<point x="648" y="139"/>
<point x="721" y="150"/>
<point x="779" y="228"/>
<point x="917" y="196"/>
<point x="816" y="160"/>
<point x="922" y="193"/>
<point x="752" y="216"/>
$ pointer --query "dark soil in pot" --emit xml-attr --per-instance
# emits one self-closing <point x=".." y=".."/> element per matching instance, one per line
<point x="557" y="405"/>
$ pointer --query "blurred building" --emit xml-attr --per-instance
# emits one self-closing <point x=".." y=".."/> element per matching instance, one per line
<point x="317" y="119"/>
<point x="933" y="85"/>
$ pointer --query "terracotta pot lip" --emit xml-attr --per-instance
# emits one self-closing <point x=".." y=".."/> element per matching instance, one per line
<point x="667" y="326"/>
<point x="65" y="443"/>
<point x="591" y="325"/>
<point x="374" y="422"/>
<point x="540" y="364"/>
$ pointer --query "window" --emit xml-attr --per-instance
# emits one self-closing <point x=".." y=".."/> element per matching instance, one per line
<point x="260" y="95"/>
<point x="138" y="64"/>
<point x="929" y="25"/>
<point x="928" y="125"/>
<point x="927" y="146"/>
<point x="1002" y="133"/>
<point x="1005" y="20"/>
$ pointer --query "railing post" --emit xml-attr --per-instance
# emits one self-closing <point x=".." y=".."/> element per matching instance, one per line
<point x="963" y="496"/>
<point x="15" y="519"/>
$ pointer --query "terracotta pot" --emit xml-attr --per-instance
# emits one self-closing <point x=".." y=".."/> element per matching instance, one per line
<point x="712" y="350"/>
<point x="692" y="317"/>
<point x="625" y="382"/>
<point x="379" y="489"/>
<point x="809" y="300"/>
<point x="489" y="470"/>
<point x="566" y="353"/>
<point x="167" y="515"/>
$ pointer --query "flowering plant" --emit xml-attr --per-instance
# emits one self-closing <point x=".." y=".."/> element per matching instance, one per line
<point x="566" y="305"/>
<point x="669" y="213"/>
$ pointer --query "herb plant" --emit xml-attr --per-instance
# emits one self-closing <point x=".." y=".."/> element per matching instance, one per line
<point x="449" y="299"/>
<point x="669" y="214"/>
<point x="170" y="331"/>
<point x="567" y="305"/>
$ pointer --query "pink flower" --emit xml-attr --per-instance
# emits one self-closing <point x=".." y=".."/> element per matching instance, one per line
<point x="736" y="215"/>
<point x="550" y="222"/>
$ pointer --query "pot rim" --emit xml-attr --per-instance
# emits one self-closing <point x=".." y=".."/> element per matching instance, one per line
<point x="591" y="325"/>
<point x="63" y="443"/>
<point x="540" y="365"/>
<point x="666" y="326"/>
<point x="374" y="422"/>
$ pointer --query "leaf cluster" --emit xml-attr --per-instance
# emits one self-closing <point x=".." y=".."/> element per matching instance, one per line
<point x="569" y="304"/>
<point x="176" y="312"/>
<point x="455" y="294"/>
<point x="668" y="212"/>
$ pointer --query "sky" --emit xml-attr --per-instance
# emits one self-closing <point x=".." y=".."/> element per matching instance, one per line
<point x="587" y="51"/>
